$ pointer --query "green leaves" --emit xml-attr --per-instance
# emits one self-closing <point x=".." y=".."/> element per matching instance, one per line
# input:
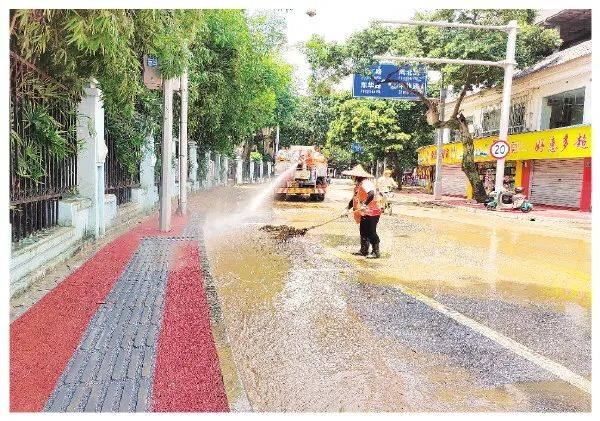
<point x="370" y="123"/>
<point x="256" y="156"/>
<point x="237" y="79"/>
<point x="45" y="130"/>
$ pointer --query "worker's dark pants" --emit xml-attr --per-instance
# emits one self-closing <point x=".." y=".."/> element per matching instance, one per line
<point x="368" y="228"/>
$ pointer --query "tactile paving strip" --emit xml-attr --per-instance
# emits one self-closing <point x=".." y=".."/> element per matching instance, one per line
<point x="112" y="368"/>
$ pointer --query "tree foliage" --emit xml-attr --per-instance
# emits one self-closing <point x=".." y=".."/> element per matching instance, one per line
<point x="237" y="79"/>
<point x="383" y="128"/>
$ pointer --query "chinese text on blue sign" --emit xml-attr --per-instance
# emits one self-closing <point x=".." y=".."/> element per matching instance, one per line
<point x="383" y="81"/>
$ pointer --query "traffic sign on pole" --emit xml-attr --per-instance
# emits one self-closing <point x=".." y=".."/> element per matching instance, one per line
<point x="384" y="81"/>
<point x="499" y="149"/>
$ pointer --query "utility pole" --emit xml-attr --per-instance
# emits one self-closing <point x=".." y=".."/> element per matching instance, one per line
<point x="183" y="145"/>
<point x="506" y="91"/>
<point x="437" y="186"/>
<point x="165" y="180"/>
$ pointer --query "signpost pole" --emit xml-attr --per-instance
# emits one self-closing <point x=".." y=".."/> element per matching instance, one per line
<point x="183" y="145"/>
<point x="165" y="181"/>
<point x="506" y="92"/>
<point x="437" y="186"/>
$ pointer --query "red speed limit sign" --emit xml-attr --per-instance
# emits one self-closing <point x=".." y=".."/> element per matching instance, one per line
<point x="499" y="149"/>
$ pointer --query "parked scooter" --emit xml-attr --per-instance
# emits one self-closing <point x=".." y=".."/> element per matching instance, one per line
<point x="509" y="200"/>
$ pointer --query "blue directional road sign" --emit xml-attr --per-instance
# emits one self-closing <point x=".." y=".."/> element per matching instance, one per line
<point x="356" y="148"/>
<point x="383" y="81"/>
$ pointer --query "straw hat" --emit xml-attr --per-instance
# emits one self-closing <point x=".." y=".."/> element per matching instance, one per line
<point x="357" y="171"/>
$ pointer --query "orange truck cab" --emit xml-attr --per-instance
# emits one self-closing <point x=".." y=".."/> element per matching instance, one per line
<point x="301" y="171"/>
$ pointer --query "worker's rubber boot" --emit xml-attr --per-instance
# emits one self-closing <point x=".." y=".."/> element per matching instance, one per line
<point x="364" y="247"/>
<point x="375" y="253"/>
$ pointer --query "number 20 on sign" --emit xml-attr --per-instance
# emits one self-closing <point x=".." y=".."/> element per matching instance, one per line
<point x="499" y="149"/>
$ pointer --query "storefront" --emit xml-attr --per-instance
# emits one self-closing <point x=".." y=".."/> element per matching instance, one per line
<point x="487" y="173"/>
<point x="553" y="166"/>
<point x="455" y="180"/>
<point x="557" y="182"/>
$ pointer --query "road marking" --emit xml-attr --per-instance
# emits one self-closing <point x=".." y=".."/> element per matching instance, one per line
<point x="547" y="364"/>
<point x="323" y="270"/>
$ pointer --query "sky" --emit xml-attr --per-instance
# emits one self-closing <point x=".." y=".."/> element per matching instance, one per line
<point x="334" y="24"/>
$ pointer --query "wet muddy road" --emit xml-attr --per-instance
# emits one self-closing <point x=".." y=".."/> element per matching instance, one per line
<point x="464" y="312"/>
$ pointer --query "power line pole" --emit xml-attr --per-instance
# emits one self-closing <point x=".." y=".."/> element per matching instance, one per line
<point x="165" y="179"/>
<point x="437" y="186"/>
<point x="506" y="92"/>
<point x="183" y="145"/>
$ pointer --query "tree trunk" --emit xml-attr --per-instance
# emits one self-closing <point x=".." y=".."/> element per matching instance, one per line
<point x="468" y="161"/>
<point x="398" y="171"/>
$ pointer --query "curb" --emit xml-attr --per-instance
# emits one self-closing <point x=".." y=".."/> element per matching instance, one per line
<point x="501" y="214"/>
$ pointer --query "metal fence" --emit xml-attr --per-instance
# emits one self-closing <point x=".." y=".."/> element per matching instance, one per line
<point x="118" y="180"/>
<point x="34" y="198"/>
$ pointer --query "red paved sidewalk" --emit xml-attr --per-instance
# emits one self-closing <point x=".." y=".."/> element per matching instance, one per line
<point x="187" y="376"/>
<point x="43" y="340"/>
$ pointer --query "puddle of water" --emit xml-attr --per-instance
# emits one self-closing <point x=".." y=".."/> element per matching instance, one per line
<point x="448" y="255"/>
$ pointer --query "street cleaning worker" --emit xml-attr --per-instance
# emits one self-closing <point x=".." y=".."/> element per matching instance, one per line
<point x="366" y="209"/>
<point x="385" y="185"/>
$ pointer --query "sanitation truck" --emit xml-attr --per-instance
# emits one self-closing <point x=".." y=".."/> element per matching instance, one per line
<point x="302" y="171"/>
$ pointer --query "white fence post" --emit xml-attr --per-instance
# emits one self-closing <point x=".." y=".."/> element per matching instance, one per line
<point x="90" y="158"/>
<point x="193" y="169"/>
<point x="217" y="174"/>
<point x="251" y="171"/>
<point x="147" y="194"/>
<point x="225" y="169"/>
<point x="269" y="169"/>
<point x="261" y="170"/>
<point x="239" y="173"/>
<point x="208" y="174"/>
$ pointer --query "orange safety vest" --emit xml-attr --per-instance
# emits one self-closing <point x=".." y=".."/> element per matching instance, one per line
<point x="360" y="195"/>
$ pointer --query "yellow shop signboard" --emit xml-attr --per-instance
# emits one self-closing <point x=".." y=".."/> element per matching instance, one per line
<point x="567" y="142"/>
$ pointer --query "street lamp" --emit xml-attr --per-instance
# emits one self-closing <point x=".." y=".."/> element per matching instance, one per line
<point x="508" y="64"/>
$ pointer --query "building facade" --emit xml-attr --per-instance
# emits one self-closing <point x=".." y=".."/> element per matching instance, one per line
<point x="549" y="132"/>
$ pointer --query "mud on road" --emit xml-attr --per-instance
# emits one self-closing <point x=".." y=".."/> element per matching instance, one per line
<point x="313" y="328"/>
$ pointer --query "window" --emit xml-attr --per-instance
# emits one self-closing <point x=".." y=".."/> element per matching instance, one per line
<point x="562" y="110"/>
<point x="516" y="121"/>
<point x="490" y="122"/>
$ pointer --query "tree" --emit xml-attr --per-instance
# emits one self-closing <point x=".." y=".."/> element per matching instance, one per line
<point x="384" y="128"/>
<point x="310" y="117"/>
<point x="533" y="43"/>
